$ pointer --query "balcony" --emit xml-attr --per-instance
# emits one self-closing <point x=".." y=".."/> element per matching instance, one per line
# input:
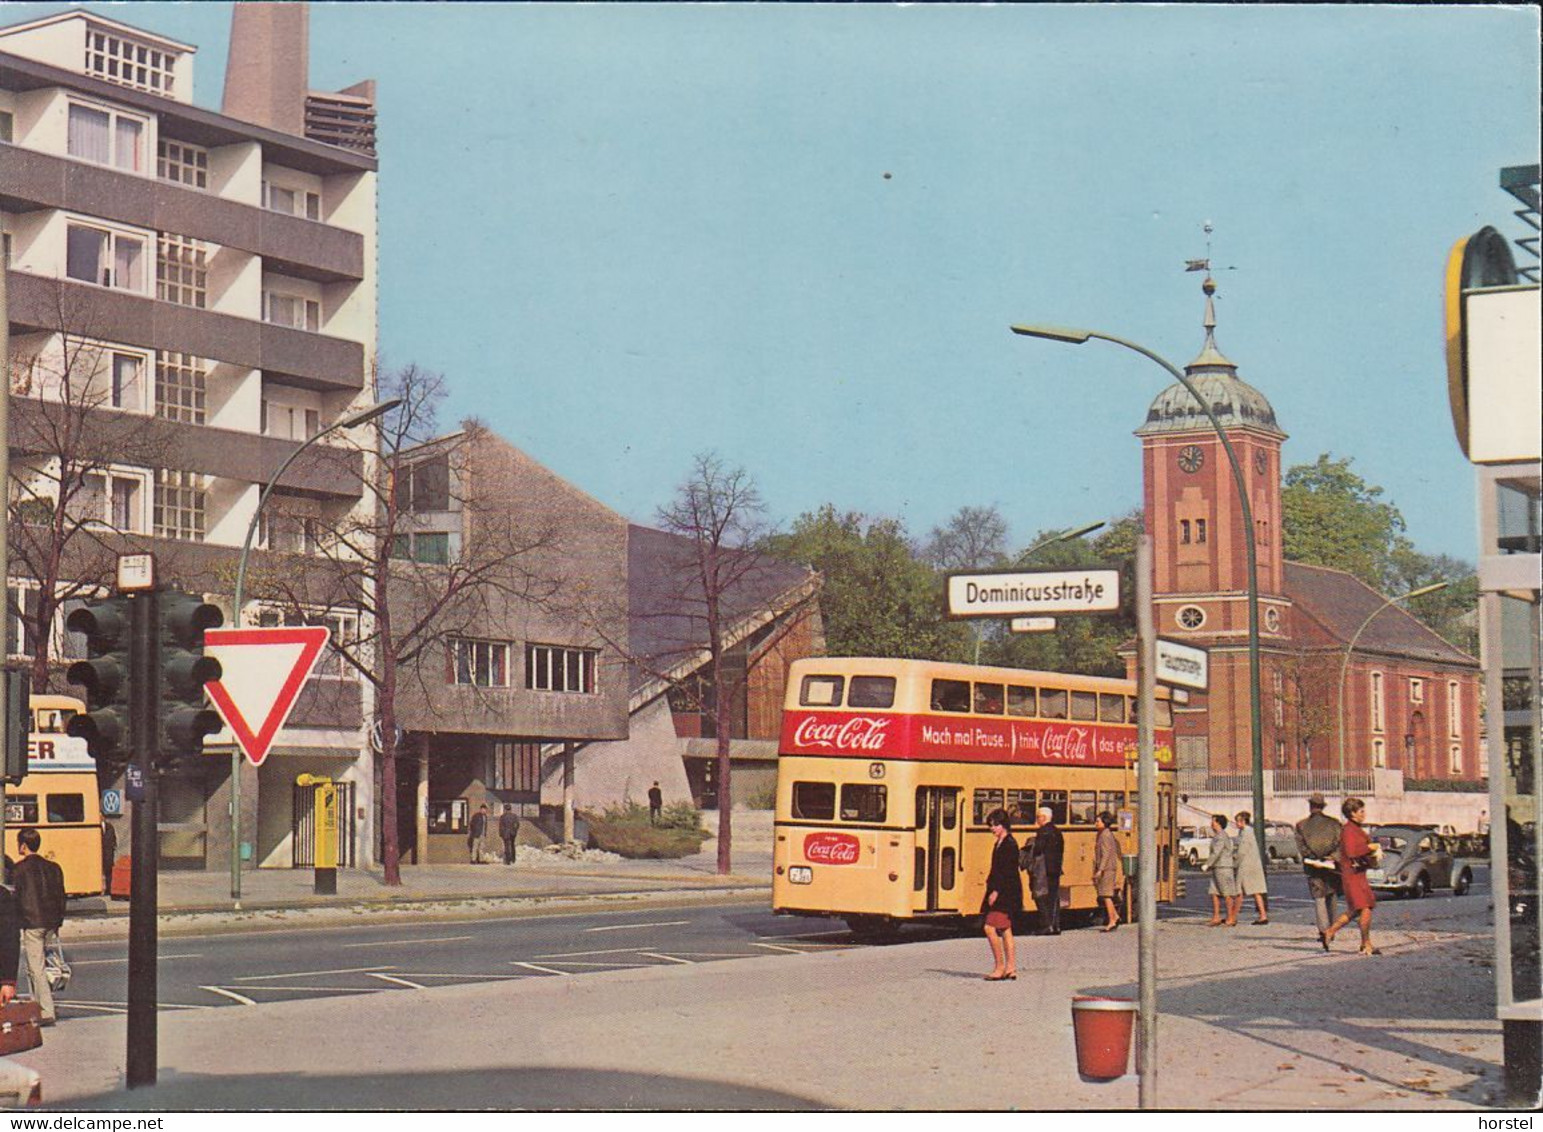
<point x="301" y="358"/>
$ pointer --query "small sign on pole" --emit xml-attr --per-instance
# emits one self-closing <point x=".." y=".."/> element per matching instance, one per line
<point x="1032" y="624"/>
<point x="1182" y="666"/>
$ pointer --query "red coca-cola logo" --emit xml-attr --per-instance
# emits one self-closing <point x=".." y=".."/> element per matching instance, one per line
<point x="859" y="733"/>
<point x="831" y="848"/>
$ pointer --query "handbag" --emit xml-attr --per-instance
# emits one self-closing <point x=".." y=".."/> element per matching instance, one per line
<point x="56" y="968"/>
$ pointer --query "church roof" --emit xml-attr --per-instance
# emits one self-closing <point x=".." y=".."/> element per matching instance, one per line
<point x="1340" y="602"/>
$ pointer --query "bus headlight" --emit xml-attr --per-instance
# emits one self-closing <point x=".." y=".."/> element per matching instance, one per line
<point x="800" y="874"/>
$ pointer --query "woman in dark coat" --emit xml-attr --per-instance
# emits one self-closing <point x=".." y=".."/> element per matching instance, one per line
<point x="1003" y="899"/>
<point x="1356" y="855"/>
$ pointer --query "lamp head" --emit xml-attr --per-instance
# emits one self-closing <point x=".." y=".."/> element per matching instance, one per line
<point x="1054" y="333"/>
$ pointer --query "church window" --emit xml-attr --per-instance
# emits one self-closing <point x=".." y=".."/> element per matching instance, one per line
<point x="1416" y="690"/>
<point x="1454" y="710"/>
<point x="1379" y="753"/>
<point x="1184" y="531"/>
<point x="1191" y="617"/>
<point x="1199" y="530"/>
<point x="1376" y="696"/>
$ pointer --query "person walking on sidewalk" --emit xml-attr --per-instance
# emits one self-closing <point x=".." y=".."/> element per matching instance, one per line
<point x="1043" y="864"/>
<point x="1222" y="864"/>
<point x="475" y="832"/>
<point x="40" y="907"/>
<point x="1106" y="868"/>
<point x="1356" y="854"/>
<point x="1318" y="845"/>
<point x="1252" y="879"/>
<point x="1003" y="899"/>
<point x="508" y="830"/>
<point x="655" y="804"/>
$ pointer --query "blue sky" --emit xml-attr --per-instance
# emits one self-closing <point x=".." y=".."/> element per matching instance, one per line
<point x="797" y="234"/>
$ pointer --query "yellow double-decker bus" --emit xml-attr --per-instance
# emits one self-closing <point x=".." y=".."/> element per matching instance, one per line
<point x="887" y="770"/>
<point x="59" y="797"/>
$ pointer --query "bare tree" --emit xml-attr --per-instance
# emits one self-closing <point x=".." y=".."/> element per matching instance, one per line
<point x="974" y="538"/>
<point x="80" y="412"/>
<point x="723" y="578"/>
<point x="413" y="593"/>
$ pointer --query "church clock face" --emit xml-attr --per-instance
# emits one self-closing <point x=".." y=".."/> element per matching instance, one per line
<point x="1191" y="458"/>
<point x="1272" y="620"/>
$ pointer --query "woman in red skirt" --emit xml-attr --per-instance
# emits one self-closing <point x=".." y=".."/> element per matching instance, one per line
<point x="1357" y="853"/>
<point x="1003" y="899"/>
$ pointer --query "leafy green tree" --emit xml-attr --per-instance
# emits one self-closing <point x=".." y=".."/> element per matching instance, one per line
<point x="1332" y="517"/>
<point x="1449" y="612"/>
<point x="878" y="598"/>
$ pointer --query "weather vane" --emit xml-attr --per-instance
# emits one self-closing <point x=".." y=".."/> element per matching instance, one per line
<point x="1204" y="264"/>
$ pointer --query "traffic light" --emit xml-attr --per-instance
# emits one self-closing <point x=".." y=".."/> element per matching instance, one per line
<point x="185" y="718"/>
<point x="18" y="723"/>
<point x="105" y="724"/>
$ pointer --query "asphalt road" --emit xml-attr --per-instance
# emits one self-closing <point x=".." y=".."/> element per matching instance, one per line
<point x="237" y="969"/>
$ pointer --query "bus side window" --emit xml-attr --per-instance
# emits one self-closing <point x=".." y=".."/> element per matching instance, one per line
<point x="1021" y="701"/>
<point x="21" y="809"/>
<point x="66" y="808"/>
<point x="863" y="802"/>
<point x="814" y="801"/>
<point x="1055" y="802"/>
<point x="1085" y="706"/>
<point x="985" y="802"/>
<point x="872" y="692"/>
<point x="1021" y="807"/>
<point x="1111" y="708"/>
<point x="1052" y="703"/>
<point x="821" y="691"/>
<point x="950" y="695"/>
<point x="950" y="808"/>
<point x="1111" y="801"/>
<point x="988" y="699"/>
<point x="1084" y="807"/>
<point x="1164" y="713"/>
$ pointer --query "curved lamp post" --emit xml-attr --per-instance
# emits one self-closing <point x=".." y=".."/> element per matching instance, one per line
<point x="364" y="416"/>
<point x="1256" y="738"/>
<point x="1344" y="666"/>
<point x="1063" y="536"/>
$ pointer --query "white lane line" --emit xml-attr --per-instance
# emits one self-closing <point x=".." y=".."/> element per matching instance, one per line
<point x="241" y="998"/>
<point x="806" y="935"/>
<point x="408" y="983"/>
<point x="602" y="963"/>
<point x="124" y="959"/>
<point x="319" y="990"/>
<point x="123" y="1007"/>
<point x="602" y="951"/>
<point x="667" y="958"/>
<point x="461" y="975"/>
<point x="103" y="1007"/>
<point x="779" y="947"/>
<point x="628" y="927"/>
<point x="307" y="974"/>
<point x="543" y="970"/>
<point x="398" y="942"/>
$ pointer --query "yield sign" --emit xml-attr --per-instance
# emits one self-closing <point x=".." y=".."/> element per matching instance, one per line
<point x="264" y="670"/>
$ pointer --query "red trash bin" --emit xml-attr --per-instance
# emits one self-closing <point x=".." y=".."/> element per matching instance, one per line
<point x="122" y="877"/>
<point x="1103" y="1029"/>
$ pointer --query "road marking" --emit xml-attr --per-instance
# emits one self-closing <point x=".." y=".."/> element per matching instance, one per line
<point x="804" y="935"/>
<point x="124" y="959"/>
<point x="241" y="998"/>
<point x="408" y="983"/>
<point x="543" y="970"/>
<point x="398" y="942"/>
<point x="628" y="927"/>
<point x="105" y="1008"/>
<point x="779" y="947"/>
<point x="668" y="958"/>
<point x="307" y="974"/>
<point x="602" y="951"/>
<point x="320" y="990"/>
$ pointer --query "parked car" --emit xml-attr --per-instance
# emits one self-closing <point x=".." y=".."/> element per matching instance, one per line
<point x="1414" y="861"/>
<point x="1280" y="842"/>
<point x="20" y="1085"/>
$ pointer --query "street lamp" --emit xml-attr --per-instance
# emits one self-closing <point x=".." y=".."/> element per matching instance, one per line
<point x="354" y="420"/>
<point x="1079" y="336"/>
<point x="1344" y="666"/>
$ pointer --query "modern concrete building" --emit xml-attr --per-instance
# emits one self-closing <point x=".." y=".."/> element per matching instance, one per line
<point x="192" y="295"/>
<point x="1356" y="697"/>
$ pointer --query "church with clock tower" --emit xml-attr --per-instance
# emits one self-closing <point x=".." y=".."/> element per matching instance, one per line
<point x="1356" y="695"/>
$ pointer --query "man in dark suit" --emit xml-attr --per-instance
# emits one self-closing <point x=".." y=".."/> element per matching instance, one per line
<point x="1044" y="869"/>
<point x="40" y="908"/>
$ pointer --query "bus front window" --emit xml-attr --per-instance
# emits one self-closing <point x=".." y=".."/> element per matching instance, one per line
<point x="63" y="808"/>
<point x="814" y="801"/>
<point x="872" y="692"/>
<point x="863" y="802"/>
<point x="950" y="695"/>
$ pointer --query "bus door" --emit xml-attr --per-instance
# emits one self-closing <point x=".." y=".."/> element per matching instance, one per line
<point x="1166" y="814"/>
<point x="939" y="835"/>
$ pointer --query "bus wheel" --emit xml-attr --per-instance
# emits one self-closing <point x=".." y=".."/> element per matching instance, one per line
<point x="873" y="929"/>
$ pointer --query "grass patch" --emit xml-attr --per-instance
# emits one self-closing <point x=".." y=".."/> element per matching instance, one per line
<point x="626" y="831"/>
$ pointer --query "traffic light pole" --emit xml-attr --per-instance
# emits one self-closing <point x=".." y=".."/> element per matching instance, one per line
<point x="144" y="717"/>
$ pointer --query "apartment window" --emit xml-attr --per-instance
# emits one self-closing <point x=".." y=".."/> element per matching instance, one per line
<point x="179" y="387"/>
<point x="126" y="388"/>
<point x="106" y="137"/>
<point x="430" y="547"/>
<point x="112" y="498"/>
<point x="424" y="486"/>
<point x="182" y="163"/>
<point x="1376" y="701"/>
<point x="105" y="257"/>
<point x="294" y="202"/>
<point x="481" y="664"/>
<point x="21" y="612"/>
<point x="179" y="505"/>
<point x="341" y="627"/>
<point x="1416" y="691"/>
<point x="7" y="124"/>
<point x="182" y="271"/>
<point x="5" y="248"/>
<point x="129" y="63"/>
<point x="1379" y="753"/>
<point x="554" y="668"/>
<point x="516" y="767"/>
<point x="294" y="311"/>
<point x="287" y="534"/>
<point x="289" y="422"/>
<point x="1454" y="710"/>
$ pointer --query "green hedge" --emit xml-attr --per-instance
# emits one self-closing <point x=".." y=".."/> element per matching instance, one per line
<point x="1445" y="786"/>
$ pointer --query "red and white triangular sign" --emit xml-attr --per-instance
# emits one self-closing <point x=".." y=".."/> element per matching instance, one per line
<point x="264" y="670"/>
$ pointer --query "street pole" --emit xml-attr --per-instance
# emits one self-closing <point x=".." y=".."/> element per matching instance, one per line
<point x="144" y="720"/>
<point x="1146" y="827"/>
<point x="353" y="420"/>
<point x="1077" y="336"/>
<point x="1344" y="666"/>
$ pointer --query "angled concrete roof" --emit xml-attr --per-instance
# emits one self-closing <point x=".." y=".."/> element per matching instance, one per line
<point x="1340" y="602"/>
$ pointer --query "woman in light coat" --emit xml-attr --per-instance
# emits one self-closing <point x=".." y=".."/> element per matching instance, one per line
<point x="1222" y="865"/>
<point x="1106" y="869"/>
<point x="1251" y="874"/>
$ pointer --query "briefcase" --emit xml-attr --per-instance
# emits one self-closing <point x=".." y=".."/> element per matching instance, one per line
<point x="20" y="1025"/>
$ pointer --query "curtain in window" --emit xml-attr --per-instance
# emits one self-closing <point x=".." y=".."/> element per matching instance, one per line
<point x="90" y="135"/>
<point x="129" y="264"/>
<point x="129" y="149"/>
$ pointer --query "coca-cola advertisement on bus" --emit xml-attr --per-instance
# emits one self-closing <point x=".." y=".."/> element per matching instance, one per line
<point x="829" y="848"/>
<point x="1037" y="741"/>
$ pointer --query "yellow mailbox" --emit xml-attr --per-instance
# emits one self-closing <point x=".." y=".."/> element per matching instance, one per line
<point x="324" y="815"/>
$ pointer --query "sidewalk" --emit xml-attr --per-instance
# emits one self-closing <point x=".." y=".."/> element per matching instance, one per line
<point x="1255" y="1018"/>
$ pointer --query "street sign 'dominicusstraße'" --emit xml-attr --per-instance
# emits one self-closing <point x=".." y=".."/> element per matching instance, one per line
<point x="1021" y="594"/>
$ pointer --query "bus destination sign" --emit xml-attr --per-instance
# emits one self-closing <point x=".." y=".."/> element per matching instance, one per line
<point x="1027" y="594"/>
